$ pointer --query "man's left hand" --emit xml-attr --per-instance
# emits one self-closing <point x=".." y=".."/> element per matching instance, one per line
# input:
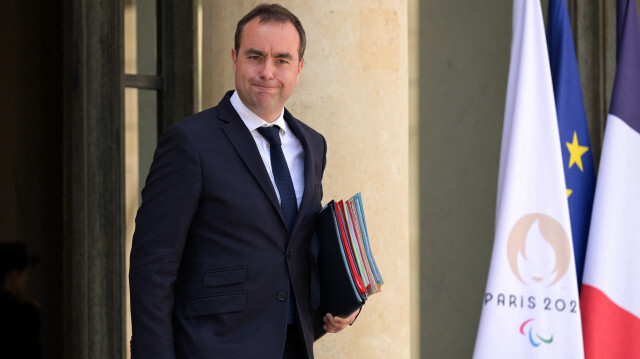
<point x="335" y="324"/>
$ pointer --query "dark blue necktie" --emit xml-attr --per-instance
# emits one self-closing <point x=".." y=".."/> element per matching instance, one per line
<point x="288" y="201"/>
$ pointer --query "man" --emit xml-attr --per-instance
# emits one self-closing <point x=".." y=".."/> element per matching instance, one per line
<point x="219" y="263"/>
<point x="19" y="317"/>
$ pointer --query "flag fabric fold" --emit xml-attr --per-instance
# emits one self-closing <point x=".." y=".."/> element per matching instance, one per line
<point x="572" y="124"/>
<point x="530" y="308"/>
<point x="610" y="297"/>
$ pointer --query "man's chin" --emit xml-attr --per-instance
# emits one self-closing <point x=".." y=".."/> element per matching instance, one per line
<point x="267" y="107"/>
<point x="267" y="102"/>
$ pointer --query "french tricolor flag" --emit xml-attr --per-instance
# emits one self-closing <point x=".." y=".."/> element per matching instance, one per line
<point x="610" y="298"/>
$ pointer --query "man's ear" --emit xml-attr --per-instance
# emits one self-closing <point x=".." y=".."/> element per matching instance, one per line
<point x="300" y="65"/>
<point x="234" y="59"/>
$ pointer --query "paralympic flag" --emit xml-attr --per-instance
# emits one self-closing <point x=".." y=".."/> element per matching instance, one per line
<point x="530" y="307"/>
<point x="610" y="297"/>
<point x="572" y="123"/>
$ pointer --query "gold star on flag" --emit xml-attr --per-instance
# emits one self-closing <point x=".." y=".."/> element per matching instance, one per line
<point x="569" y="192"/>
<point x="576" y="152"/>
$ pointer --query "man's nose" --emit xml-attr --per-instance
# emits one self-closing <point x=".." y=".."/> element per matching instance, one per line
<point x="267" y="70"/>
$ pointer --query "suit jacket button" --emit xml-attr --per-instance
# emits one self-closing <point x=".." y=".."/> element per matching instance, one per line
<point x="282" y="296"/>
<point x="289" y="254"/>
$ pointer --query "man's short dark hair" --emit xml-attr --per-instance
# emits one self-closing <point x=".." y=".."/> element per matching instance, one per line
<point x="272" y="13"/>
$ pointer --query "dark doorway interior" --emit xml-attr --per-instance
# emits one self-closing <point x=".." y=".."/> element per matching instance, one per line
<point x="31" y="152"/>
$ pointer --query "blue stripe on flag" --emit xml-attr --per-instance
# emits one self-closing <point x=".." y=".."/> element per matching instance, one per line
<point x="624" y="99"/>
<point x="574" y="134"/>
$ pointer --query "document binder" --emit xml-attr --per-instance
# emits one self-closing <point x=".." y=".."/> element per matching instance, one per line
<point x="346" y="270"/>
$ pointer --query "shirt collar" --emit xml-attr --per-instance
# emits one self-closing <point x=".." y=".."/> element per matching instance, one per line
<point x="253" y="121"/>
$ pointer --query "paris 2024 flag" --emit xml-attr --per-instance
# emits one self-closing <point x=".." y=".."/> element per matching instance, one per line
<point x="530" y="308"/>
<point x="610" y="298"/>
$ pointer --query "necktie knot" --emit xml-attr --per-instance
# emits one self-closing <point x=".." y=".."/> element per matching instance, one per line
<point x="271" y="134"/>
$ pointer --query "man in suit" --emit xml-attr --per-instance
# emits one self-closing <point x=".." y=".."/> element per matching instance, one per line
<point x="219" y="262"/>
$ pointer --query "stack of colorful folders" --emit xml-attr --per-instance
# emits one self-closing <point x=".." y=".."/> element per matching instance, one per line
<point x="347" y="271"/>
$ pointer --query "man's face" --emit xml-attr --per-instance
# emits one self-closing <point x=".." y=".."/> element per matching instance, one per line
<point x="266" y="66"/>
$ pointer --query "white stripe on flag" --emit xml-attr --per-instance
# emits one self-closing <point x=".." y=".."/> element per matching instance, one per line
<point x="531" y="307"/>
<point x="614" y="242"/>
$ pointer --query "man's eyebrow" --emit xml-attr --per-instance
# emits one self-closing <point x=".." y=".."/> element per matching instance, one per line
<point x="281" y="55"/>
<point x="252" y="51"/>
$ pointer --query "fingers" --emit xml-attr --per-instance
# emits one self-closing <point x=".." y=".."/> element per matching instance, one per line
<point x="334" y="324"/>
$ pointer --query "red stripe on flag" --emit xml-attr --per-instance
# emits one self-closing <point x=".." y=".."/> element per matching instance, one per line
<point x="609" y="331"/>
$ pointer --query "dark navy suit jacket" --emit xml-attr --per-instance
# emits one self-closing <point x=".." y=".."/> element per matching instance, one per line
<point x="211" y="259"/>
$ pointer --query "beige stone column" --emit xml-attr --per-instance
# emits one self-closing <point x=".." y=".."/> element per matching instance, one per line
<point x="354" y="90"/>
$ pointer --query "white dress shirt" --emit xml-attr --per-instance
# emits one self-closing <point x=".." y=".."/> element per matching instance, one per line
<point x="293" y="152"/>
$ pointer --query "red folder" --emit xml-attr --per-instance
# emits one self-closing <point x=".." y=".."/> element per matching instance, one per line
<point x="349" y="252"/>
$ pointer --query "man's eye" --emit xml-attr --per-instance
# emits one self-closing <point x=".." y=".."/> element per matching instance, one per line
<point x="254" y="58"/>
<point x="281" y="61"/>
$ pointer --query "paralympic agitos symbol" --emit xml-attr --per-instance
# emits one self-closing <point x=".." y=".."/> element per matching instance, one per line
<point x="532" y="340"/>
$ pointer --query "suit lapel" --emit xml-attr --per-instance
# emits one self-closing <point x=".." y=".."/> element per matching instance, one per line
<point x="309" y="174"/>
<point x="244" y="144"/>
